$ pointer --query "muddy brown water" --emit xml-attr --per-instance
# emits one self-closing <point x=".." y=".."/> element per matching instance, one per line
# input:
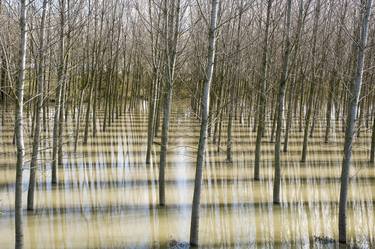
<point x="107" y="196"/>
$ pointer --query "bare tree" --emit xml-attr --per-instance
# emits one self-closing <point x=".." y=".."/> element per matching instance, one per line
<point x="313" y="83"/>
<point x="234" y="85"/>
<point x="352" y="114"/>
<point x="262" y="93"/>
<point x="171" y="33"/>
<point x="280" y="104"/>
<point x="194" y="227"/>
<point x="156" y="60"/>
<point x="39" y="106"/>
<point x="59" y="93"/>
<point x="19" y="125"/>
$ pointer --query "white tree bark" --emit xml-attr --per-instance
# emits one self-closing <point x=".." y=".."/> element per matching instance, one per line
<point x="19" y="125"/>
<point x="194" y="227"/>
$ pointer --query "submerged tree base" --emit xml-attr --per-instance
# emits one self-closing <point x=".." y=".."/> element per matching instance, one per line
<point x="174" y="244"/>
<point x="324" y="240"/>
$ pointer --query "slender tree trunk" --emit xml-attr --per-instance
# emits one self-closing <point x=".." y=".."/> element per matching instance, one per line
<point x="218" y="112"/>
<point x="262" y="102"/>
<point x="256" y="107"/>
<point x="329" y="110"/>
<point x="19" y="125"/>
<point x="194" y="227"/>
<point x="300" y="25"/>
<point x="164" y="142"/>
<point x="158" y="109"/>
<point x="78" y="121"/>
<point x="172" y="18"/>
<point x="351" y="118"/>
<point x="39" y="107"/>
<point x="153" y="88"/>
<point x="59" y="94"/>
<point x="289" y="115"/>
<point x="283" y="81"/>
<point x="274" y="123"/>
<point x="151" y="117"/>
<point x="220" y="129"/>
<point x="229" y="126"/>
<point x="360" y="118"/>
<point x="233" y="87"/>
<point x="87" y="118"/>
<point x="310" y="103"/>
<point x="61" y="122"/>
<point x="301" y="103"/>
<point x="372" y="151"/>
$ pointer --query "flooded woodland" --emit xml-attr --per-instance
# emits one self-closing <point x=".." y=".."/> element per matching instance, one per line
<point x="107" y="197"/>
<point x="187" y="124"/>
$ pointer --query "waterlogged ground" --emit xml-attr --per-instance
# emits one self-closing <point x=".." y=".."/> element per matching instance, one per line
<point x="107" y="196"/>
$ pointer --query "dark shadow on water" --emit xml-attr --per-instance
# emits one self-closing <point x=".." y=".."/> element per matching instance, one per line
<point x="124" y="184"/>
<point x="117" y="209"/>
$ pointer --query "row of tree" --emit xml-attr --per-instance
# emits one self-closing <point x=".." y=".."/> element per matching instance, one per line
<point x="255" y="61"/>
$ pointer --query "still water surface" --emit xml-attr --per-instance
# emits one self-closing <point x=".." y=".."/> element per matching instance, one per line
<point x="107" y="196"/>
